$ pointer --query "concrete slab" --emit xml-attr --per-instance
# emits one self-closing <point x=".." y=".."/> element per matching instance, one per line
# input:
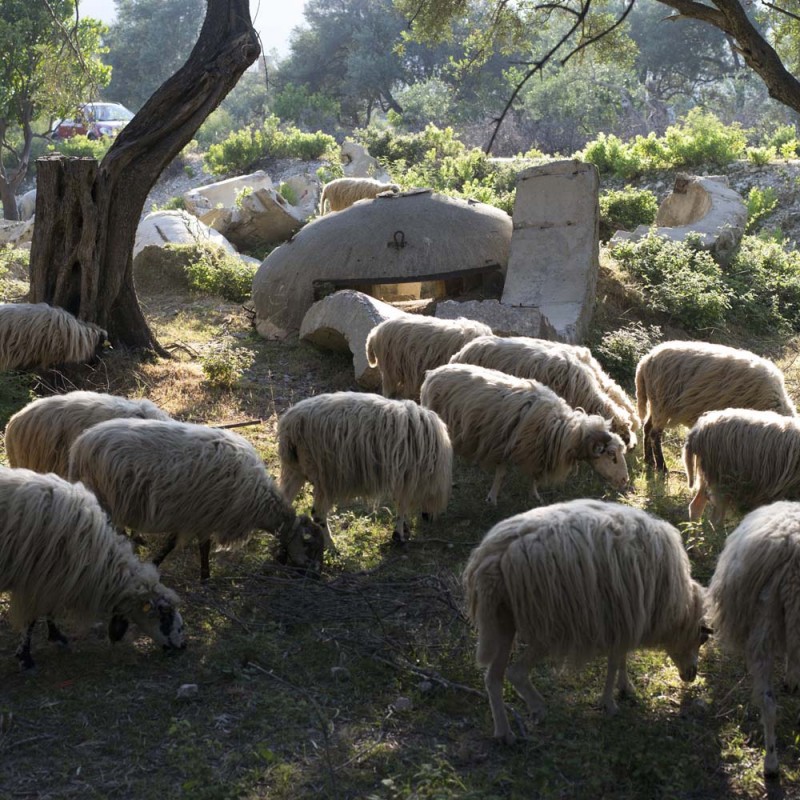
<point x="503" y="320"/>
<point x="223" y="193"/>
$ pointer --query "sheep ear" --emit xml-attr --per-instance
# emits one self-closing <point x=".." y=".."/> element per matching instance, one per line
<point x="117" y="627"/>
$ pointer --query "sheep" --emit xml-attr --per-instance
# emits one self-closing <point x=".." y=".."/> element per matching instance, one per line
<point x="190" y="482"/>
<point x="349" y="444"/>
<point x="566" y="372"/>
<point x="754" y="605"/>
<point x="740" y="456"/>
<point x="39" y="436"/>
<point x="496" y="420"/>
<point x="39" y="335"/>
<point x="343" y="192"/>
<point x="58" y="552"/>
<point x="575" y="580"/>
<point x="405" y="347"/>
<point x="678" y="381"/>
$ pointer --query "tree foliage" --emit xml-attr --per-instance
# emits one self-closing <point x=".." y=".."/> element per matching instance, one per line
<point x="49" y="63"/>
<point x="149" y="41"/>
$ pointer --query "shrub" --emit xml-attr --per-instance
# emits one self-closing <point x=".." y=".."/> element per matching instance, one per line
<point x="760" y="204"/>
<point x="764" y="281"/>
<point x="790" y="149"/>
<point x="611" y="156"/>
<point x="703" y="139"/>
<point x="760" y="156"/>
<point x="288" y="194"/>
<point x="215" y="271"/>
<point x="677" y="278"/>
<point x="218" y="125"/>
<point x="626" y="209"/>
<point x="83" y="147"/>
<point x="223" y="368"/>
<point x="783" y="134"/>
<point x="621" y="350"/>
<point x="237" y="152"/>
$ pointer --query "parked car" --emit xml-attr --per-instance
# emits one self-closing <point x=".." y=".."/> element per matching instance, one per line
<point x="93" y="120"/>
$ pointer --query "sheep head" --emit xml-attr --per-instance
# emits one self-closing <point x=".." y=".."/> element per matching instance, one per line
<point x="156" y="614"/>
<point x="605" y="451"/>
<point x="684" y="649"/>
<point x="303" y="544"/>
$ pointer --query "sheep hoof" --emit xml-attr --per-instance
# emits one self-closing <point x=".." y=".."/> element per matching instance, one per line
<point x="505" y="738"/>
<point x="492" y="501"/>
<point x="400" y="536"/>
<point x="772" y="772"/>
<point x="611" y="708"/>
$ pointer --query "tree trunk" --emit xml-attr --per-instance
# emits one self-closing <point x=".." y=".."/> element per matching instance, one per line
<point x="87" y="215"/>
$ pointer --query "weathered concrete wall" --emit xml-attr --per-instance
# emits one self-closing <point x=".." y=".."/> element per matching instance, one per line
<point x="554" y="257"/>
<point x="404" y="236"/>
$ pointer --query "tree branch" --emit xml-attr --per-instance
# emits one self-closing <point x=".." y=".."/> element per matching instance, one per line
<point x="597" y="37"/>
<point x="781" y="10"/>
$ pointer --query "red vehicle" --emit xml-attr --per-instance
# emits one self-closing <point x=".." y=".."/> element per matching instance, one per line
<point x="94" y="120"/>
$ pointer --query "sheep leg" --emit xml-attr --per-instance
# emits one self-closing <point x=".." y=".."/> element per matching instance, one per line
<point x="291" y="484"/>
<point x="205" y="555"/>
<point x="402" y="532"/>
<point x="503" y="636"/>
<point x="499" y="474"/>
<point x="658" y="452"/>
<point x="649" y="460"/>
<point x="624" y="686"/>
<point x="698" y="503"/>
<point x="519" y="673"/>
<point x="24" y="650"/>
<point x="55" y="635"/>
<point x="319" y="513"/>
<point x="765" y="698"/>
<point x="535" y="493"/>
<point x="616" y="664"/>
<point x="168" y="548"/>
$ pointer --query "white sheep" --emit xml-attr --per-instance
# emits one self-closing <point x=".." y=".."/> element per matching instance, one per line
<point x="565" y="371"/>
<point x="58" y="553"/>
<point x="678" y="381"/>
<point x="39" y="436"/>
<point x="349" y="444"/>
<point x="39" y="335"/>
<point x="742" y="457"/>
<point x="573" y="581"/>
<point x="190" y="482"/>
<point x="404" y="348"/>
<point x="498" y="420"/>
<point x="343" y="192"/>
<point x="755" y="605"/>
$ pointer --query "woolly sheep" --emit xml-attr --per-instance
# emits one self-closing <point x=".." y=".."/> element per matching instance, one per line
<point x="676" y="382"/>
<point x="563" y="370"/>
<point x="187" y="481"/>
<point x="496" y="420"/>
<point x="406" y="347"/>
<point x="349" y="444"/>
<point x="740" y="456"/>
<point x="755" y="605"/>
<point x="58" y="553"/>
<point x="39" y="335"/>
<point x="343" y="192"/>
<point x="39" y="436"/>
<point x="576" y="580"/>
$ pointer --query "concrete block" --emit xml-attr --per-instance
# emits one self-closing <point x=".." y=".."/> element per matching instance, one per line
<point x="223" y="193"/>
<point x="503" y="320"/>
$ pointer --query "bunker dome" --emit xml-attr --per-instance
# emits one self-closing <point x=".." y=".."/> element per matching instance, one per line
<point x="394" y="239"/>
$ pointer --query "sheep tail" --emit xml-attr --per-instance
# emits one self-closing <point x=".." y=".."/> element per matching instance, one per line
<point x="372" y="358"/>
<point x="689" y="460"/>
<point x="641" y="393"/>
<point x="486" y="598"/>
<point x="322" y="198"/>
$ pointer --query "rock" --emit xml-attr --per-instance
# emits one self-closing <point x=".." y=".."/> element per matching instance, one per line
<point x="224" y="193"/>
<point x="16" y="233"/>
<point x="425" y="686"/>
<point x="306" y="191"/>
<point x="705" y="206"/>
<point x="152" y="262"/>
<point x="261" y="218"/>
<point x="554" y="257"/>
<point x="342" y="321"/>
<point x="358" y="163"/>
<point x="340" y="674"/>
<point x="503" y="320"/>
<point x="187" y="691"/>
<point x="392" y="239"/>
<point x="403" y="704"/>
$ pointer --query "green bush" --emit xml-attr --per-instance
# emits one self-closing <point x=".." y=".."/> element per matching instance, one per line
<point x="223" y="368"/>
<point x="611" y="156"/>
<point x="432" y="144"/>
<point x="790" y="149"/>
<point x="621" y="350"/>
<point x="703" y="139"/>
<point x="214" y="271"/>
<point x="783" y="134"/>
<point x="760" y="204"/>
<point x="678" y="279"/>
<point x="760" y="156"/>
<point x="626" y="209"/>
<point x="288" y="194"/>
<point x="764" y="281"/>
<point x="83" y="147"/>
<point x="237" y="153"/>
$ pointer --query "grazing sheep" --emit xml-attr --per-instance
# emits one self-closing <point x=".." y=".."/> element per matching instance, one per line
<point x="744" y="457"/>
<point x="560" y="367"/>
<point x="406" y="347"/>
<point x="496" y="420"/>
<point x="343" y="192"/>
<point x="576" y="580"/>
<point x="39" y="335"/>
<point x="39" y="436"/>
<point x="187" y="481"/>
<point x="676" y="382"/>
<point x="58" y="553"/>
<point x="349" y="444"/>
<point x="755" y="605"/>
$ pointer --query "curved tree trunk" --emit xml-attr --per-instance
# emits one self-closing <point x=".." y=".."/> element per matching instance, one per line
<point x="87" y="214"/>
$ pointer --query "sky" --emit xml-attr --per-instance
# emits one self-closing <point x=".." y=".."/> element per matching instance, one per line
<point x="273" y="19"/>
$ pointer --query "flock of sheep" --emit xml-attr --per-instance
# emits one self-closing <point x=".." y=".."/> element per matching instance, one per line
<point x="567" y="581"/>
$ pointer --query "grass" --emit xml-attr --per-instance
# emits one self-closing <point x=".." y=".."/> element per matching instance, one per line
<point x="362" y="684"/>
